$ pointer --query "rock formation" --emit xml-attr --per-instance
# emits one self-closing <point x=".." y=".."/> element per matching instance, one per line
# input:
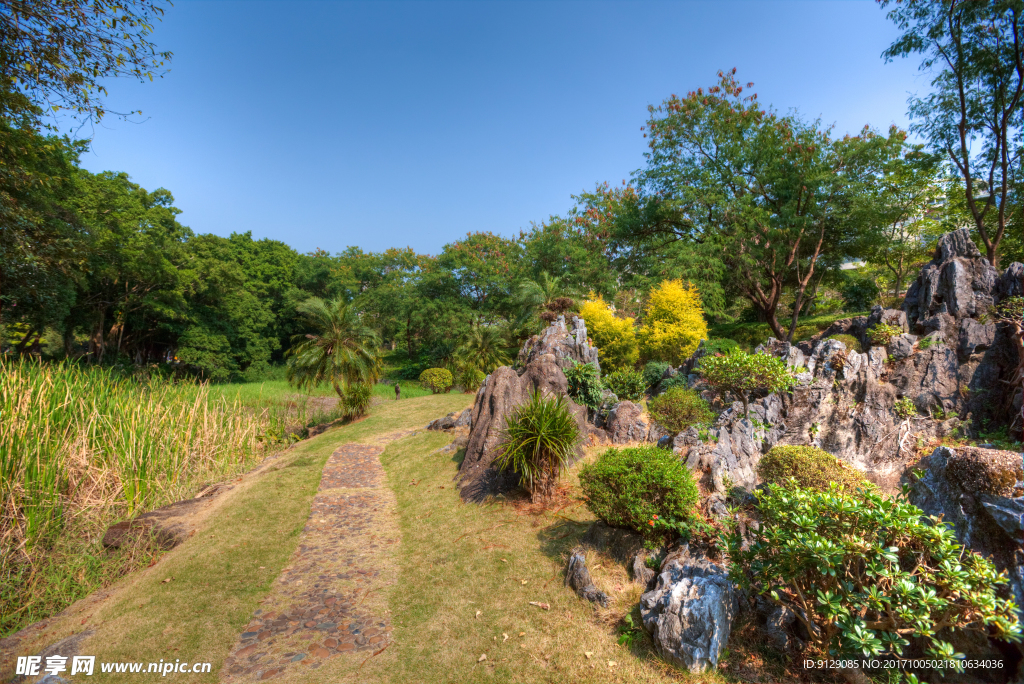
<point x="542" y="359"/>
<point x="577" y="577"/>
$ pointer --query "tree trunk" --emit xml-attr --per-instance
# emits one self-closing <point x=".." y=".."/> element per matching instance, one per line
<point x="24" y="341"/>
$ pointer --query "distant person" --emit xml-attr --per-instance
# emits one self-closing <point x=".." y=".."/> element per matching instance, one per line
<point x="398" y="391"/>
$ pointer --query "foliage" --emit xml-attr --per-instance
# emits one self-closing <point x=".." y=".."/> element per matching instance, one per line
<point x="1011" y="310"/>
<point x="742" y="374"/>
<point x="547" y="297"/>
<point x="626" y="384"/>
<point x="905" y="408"/>
<point x="721" y="346"/>
<point x="537" y="443"/>
<point x="851" y="342"/>
<point x="481" y="351"/>
<point x="929" y="341"/>
<point x="859" y="292"/>
<point x="630" y="487"/>
<point x="615" y="338"/>
<point x="974" y="52"/>
<point x="341" y="351"/>
<point x="679" y="409"/>
<point x="357" y="399"/>
<point x="866" y="574"/>
<point x="584" y="384"/>
<point x="883" y="333"/>
<point x="809" y="467"/>
<point x="437" y="380"/>
<point x="653" y="372"/>
<point x="673" y="322"/>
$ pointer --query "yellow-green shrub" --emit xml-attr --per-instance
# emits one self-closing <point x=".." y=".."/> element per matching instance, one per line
<point x="812" y="467"/>
<point x="673" y="322"/>
<point x="615" y="337"/>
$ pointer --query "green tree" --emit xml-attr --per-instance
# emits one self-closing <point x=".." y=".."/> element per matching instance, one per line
<point x="342" y="350"/>
<point x="742" y="374"/>
<point x="975" y="51"/>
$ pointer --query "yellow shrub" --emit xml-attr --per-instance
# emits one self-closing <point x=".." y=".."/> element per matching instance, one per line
<point x="673" y="322"/>
<point x="615" y="337"/>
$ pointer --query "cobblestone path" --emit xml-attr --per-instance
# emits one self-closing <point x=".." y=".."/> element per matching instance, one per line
<point x="328" y="601"/>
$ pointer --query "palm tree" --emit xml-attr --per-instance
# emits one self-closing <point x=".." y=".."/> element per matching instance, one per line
<point x="483" y="348"/>
<point x="342" y="351"/>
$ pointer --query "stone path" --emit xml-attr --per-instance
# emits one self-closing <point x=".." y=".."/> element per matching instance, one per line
<point x="328" y="601"/>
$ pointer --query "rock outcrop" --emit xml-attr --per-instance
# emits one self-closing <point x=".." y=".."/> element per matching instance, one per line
<point x="543" y="358"/>
<point x="453" y="421"/>
<point x="577" y="577"/>
<point x="168" y="525"/>
<point x="690" y="612"/>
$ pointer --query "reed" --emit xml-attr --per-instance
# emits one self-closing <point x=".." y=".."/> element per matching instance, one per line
<point x="82" y="447"/>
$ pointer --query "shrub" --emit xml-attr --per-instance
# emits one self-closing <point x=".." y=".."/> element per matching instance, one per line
<point x="615" y="337"/>
<point x="851" y="342"/>
<point x="721" y="346"/>
<point x="584" y="384"/>
<point x="469" y="377"/>
<point x="357" y="399"/>
<point x="882" y="333"/>
<point x="632" y="487"/>
<point x="437" y="380"/>
<point x="673" y="322"/>
<point x="742" y="373"/>
<point x="905" y="408"/>
<point x="538" y="440"/>
<point x="810" y="467"/>
<point x="653" y="372"/>
<point x="859" y="293"/>
<point x="679" y="409"/>
<point x="626" y="383"/>
<point x="866" y="575"/>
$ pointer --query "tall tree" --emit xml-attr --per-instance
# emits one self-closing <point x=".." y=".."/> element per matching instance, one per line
<point x="975" y="50"/>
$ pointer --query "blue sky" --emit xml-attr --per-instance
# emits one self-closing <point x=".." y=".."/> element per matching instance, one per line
<point x="391" y="124"/>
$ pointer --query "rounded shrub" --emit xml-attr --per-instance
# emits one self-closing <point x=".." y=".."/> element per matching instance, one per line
<point x="810" y="467"/>
<point x="626" y="383"/>
<point x="583" y="384"/>
<point x="851" y="342"/>
<point x="741" y="374"/>
<point x="866" y="575"/>
<point x="653" y="371"/>
<point x="632" y="487"/>
<point x="537" y="443"/>
<point x="437" y="380"/>
<point x="679" y="409"/>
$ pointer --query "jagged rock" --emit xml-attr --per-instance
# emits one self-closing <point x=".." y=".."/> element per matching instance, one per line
<point x="901" y="347"/>
<point x="622" y="545"/>
<point x="717" y="507"/>
<point x="577" y="577"/>
<point x="975" y="337"/>
<point x="889" y="316"/>
<point x="665" y="442"/>
<point x="958" y="281"/>
<point x="1011" y="283"/>
<point x="740" y="442"/>
<point x="779" y="626"/>
<point x="567" y="345"/>
<point x="455" y="419"/>
<point x="978" y="493"/>
<point x="642" y="574"/>
<point x="690" y="612"/>
<point x="625" y="423"/>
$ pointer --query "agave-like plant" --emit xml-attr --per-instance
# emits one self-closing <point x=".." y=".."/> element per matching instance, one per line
<point x="341" y="350"/>
<point x="538" y="442"/>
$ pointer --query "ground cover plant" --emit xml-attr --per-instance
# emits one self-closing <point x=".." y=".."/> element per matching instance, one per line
<point x="866" y="574"/>
<point x="634" y="487"/>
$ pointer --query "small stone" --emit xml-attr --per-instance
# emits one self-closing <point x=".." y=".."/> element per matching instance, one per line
<point x="297" y="658"/>
<point x="319" y="651"/>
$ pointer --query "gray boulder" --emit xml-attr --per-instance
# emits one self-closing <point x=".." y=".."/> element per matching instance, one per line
<point x="625" y="423"/>
<point x="567" y="343"/>
<point x="690" y="612"/>
<point x="577" y="577"/>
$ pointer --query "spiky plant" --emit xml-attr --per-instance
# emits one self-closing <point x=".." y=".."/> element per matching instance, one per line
<point x="341" y="350"/>
<point x="538" y="442"/>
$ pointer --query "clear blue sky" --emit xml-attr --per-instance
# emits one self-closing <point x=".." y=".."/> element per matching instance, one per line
<point x="387" y="124"/>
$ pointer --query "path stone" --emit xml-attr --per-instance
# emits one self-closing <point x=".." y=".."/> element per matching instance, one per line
<point x="318" y="607"/>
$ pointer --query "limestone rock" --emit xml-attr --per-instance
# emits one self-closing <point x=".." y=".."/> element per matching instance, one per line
<point x="455" y="419"/>
<point x="577" y="577"/>
<point x="567" y="344"/>
<point x="625" y="423"/>
<point x="642" y="574"/>
<point x="889" y="316"/>
<point x="690" y="612"/>
<point x="958" y="281"/>
<point x="975" y="337"/>
<point x="901" y="347"/>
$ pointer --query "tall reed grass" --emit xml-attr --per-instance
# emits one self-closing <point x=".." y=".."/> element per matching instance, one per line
<point x="81" y="447"/>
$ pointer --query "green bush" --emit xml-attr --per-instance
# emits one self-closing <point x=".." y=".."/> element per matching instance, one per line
<point x="851" y="342"/>
<point x="882" y="333"/>
<point x="653" y="372"/>
<point x="626" y="383"/>
<point x="679" y="409"/>
<point x="357" y="399"/>
<point x="633" y="487"/>
<point x="810" y="467"/>
<point x="584" y="384"/>
<point x="437" y="380"/>
<point x="721" y="346"/>
<point x="742" y="373"/>
<point x="867" y="574"/>
<point x="859" y="292"/>
<point x="537" y="443"/>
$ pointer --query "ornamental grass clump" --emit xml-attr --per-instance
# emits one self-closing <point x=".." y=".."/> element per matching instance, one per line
<point x="678" y="409"/>
<point x="635" y="488"/>
<point x="742" y="374"/>
<point x="866" y="574"/>
<point x="538" y="441"/>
